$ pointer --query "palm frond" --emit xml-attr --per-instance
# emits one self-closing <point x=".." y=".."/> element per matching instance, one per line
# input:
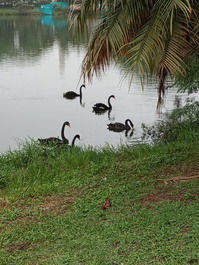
<point x="150" y="37"/>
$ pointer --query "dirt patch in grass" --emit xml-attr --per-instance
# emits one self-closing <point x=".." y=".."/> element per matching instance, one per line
<point x="158" y="260"/>
<point x="50" y="204"/>
<point x="159" y="197"/>
<point x="185" y="230"/>
<point x="56" y="205"/>
<point x="3" y="204"/>
<point x="185" y="170"/>
<point x="31" y="206"/>
<point x="166" y="193"/>
<point x="20" y="219"/>
<point x="20" y="246"/>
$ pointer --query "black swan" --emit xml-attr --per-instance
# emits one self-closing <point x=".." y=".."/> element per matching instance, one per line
<point x="72" y="94"/>
<point x="55" y="140"/>
<point x="77" y="136"/>
<point x="119" y="127"/>
<point x="101" y="107"/>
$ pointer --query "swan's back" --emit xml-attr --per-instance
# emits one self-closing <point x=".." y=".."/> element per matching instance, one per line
<point x="50" y="141"/>
<point x="100" y="106"/>
<point x="117" y="127"/>
<point x="70" y="95"/>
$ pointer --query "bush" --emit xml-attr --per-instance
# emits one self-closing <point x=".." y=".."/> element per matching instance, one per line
<point x="23" y="5"/>
<point x="181" y="124"/>
<point x="190" y="82"/>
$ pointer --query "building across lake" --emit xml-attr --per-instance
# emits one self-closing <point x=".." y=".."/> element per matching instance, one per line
<point x="48" y="8"/>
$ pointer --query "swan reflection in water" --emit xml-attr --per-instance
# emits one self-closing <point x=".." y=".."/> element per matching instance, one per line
<point x="129" y="133"/>
<point x="103" y="112"/>
<point x="82" y="104"/>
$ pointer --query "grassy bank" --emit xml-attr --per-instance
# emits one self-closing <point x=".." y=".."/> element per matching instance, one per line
<point x="27" y="12"/>
<point x="18" y="11"/>
<point x="74" y="206"/>
<point x="51" y="206"/>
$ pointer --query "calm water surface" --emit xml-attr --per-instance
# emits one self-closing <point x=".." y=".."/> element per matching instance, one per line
<point x="39" y="60"/>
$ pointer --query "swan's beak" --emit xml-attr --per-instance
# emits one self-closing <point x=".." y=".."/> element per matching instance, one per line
<point x="69" y="125"/>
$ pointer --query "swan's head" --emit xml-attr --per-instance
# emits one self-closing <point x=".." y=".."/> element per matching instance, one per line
<point x="77" y="136"/>
<point x="112" y="96"/>
<point x="67" y="123"/>
<point x="82" y="86"/>
<point x="132" y="125"/>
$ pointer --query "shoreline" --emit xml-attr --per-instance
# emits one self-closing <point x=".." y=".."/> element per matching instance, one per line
<point x="27" y="12"/>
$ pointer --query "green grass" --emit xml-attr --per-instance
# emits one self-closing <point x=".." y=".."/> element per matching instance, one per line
<point x="50" y="206"/>
<point x="30" y="11"/>
<point x="8" y="11"/>
<point x="18" y="11"/>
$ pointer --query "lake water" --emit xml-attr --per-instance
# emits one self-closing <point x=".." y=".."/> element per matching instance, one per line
<point x="39" y="61"/>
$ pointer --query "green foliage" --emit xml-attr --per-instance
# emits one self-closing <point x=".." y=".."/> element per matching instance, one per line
<point x="24" y="5"/>
<point x="8" y="12"/>
<point x="181" y="124"/>
<point x="190" y="82"/>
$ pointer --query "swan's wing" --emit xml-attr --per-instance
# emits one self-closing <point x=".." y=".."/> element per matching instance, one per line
<point x="117" y="124"/>
<point x="50" y="140"/>
<point x="70" y="94"/>
<point x="117" y="127"/>
<point x="100" y="105"/>
<point x="65" y="141"/>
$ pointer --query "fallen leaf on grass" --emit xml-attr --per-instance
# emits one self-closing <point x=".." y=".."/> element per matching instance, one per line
<point x="106" y="205"/>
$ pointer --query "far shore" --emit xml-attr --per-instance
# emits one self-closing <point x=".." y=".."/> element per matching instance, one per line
<point x="28" y="11"/>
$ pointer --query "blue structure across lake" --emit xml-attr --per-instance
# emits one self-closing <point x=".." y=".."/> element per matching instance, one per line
<point x="58" y="22"/>
<point x="48" y="8"/>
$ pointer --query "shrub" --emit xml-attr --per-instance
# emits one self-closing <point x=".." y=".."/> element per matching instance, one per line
<point x="180" y="124"/>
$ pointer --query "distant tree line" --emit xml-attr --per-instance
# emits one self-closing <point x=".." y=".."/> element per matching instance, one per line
<point x="18" y="3"/>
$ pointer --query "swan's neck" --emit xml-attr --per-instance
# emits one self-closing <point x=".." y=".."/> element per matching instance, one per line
<point x="109" y="103"/>
<point x="62" y="132"/>
<point x="74" y="139"/>
<point x="80" y="90"/>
